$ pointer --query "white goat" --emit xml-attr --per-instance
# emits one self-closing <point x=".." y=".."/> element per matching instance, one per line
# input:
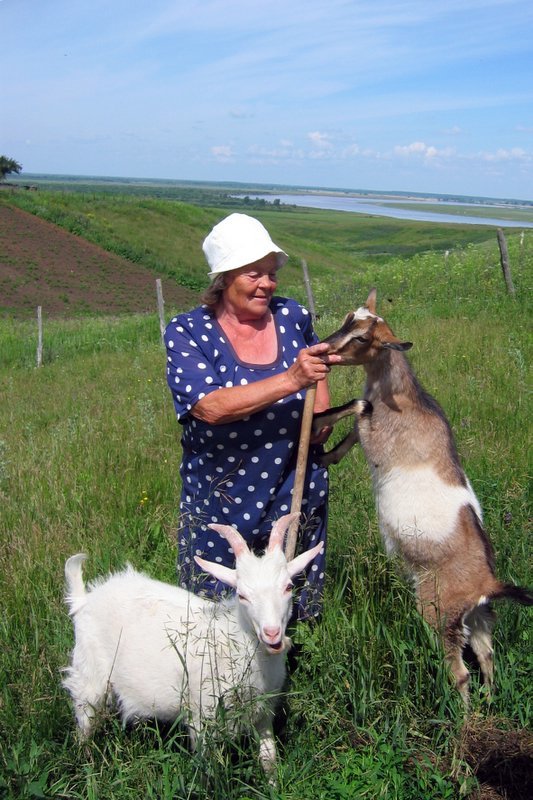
<point x="162" y="652"/>
<point x="427" y="510"/>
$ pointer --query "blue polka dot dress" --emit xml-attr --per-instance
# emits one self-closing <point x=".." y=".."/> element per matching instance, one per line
<point x="241" y="473"/>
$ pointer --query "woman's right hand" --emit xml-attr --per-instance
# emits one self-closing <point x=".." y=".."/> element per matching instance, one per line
<point x="312" y="365"/>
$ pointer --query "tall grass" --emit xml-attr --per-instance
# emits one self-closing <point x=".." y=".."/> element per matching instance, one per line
<point x="68" y="338"/>
<point x="89" y="460"/>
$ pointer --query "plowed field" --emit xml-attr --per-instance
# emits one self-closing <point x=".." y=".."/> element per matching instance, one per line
<point x="43" y="265"/>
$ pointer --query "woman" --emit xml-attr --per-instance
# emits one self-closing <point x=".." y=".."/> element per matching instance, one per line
<point x="238" y="367"/>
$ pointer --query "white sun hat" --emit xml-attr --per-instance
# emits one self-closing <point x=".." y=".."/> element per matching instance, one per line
<point x="237" y="241"/>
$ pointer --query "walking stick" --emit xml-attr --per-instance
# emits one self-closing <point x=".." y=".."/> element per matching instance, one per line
<point x="301" y="464"/>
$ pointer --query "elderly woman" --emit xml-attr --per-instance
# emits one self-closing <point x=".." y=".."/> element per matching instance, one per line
<point x="238" y="367"/>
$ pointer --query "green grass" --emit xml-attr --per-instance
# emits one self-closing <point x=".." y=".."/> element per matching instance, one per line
<point x="166" y="234"/>
<point x="89" y="460"/>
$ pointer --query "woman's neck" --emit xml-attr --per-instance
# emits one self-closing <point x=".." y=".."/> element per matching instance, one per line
<point x="254" y="340"/>
<point x="240" y="322"/>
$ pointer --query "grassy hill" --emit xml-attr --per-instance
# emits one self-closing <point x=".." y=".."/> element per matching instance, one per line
<point x="165" y="235"/>
<point x="89" y="460"/>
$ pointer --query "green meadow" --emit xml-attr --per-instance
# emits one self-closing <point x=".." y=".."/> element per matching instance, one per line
<point x="89" y="460"/>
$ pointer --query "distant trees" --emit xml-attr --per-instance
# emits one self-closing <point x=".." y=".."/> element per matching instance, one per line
<point x="7" y="166"/>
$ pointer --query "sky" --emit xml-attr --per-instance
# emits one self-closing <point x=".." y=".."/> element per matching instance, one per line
<point x="432" y="96"/>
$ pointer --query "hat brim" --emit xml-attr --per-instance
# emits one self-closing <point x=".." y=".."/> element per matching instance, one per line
<point x="234" y="261"/>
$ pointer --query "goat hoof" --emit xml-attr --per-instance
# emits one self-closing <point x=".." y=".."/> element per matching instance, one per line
<point x="363" y="408"/>
<point x="369" y="408"/>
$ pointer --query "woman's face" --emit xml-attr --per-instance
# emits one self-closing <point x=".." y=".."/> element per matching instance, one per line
<point x="249" y="289"/>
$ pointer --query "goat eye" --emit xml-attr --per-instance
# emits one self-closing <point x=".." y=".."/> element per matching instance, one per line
<point x="361" y="339"/>
<point x="288" y="588"/>
<point x="243" y="598"/>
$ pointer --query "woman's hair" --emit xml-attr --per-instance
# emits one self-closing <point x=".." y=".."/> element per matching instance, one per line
<point x="213" y="293"/>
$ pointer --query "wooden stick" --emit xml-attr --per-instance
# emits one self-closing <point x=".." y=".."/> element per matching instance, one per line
<point x="308" y="289"/>
<point x="301" y="464"/>
<point x="504" y="260"/>
<point x="161" y="309"/>
<point x="39" y="336"/>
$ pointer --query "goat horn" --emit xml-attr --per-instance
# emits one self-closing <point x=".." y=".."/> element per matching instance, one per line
<point x="236" y="541"/>
<point x="279" y="529"/>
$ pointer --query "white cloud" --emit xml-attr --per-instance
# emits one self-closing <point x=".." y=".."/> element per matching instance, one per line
<point x="418" y="148"/>
<point x="422" y="150"/>
<point x="351" y="150"/>
<point x="323" y="148"/>
<point x="513" y="154"/>
<point x="275" y="155"/>
<point x="223" y="152"/>
<point x="320" y="140"/>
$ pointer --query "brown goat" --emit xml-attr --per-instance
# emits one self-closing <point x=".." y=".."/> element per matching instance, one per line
<point x="428" y="513"/>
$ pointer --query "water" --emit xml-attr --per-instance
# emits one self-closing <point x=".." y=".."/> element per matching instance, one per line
<point x="372" y="207"/>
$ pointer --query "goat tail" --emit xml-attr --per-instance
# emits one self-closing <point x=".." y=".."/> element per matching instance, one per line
<point x="76" y="593"/>
<point x="509" y="591"/>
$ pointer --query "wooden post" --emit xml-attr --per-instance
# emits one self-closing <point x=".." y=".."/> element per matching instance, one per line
<point x="310" y="298"/>
<point x="301" y="466"/>
<point x="161" y="309"/>
<point x="39" y="336"/>
<point x="504" y="260"/>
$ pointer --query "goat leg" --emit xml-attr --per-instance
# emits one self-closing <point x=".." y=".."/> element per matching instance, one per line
<point x="330" y="417"/>
<point x="267" y="750"/>
<point x="338" y="452"/>
<point x="357" y="408"/>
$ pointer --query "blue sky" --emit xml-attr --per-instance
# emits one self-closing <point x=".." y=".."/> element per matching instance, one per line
<point x="360" y="94"/>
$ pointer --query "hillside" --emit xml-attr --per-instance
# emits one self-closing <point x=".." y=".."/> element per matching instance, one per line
<point x="148" y="237"/>
<point x="42" y="264"/>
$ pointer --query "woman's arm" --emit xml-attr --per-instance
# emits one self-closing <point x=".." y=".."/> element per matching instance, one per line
<point x="235" y="402"/>
<point x="322" y="401"/>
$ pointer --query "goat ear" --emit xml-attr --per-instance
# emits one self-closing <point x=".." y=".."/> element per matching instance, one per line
<point x="371" y="301"/>
<point x="219" y="571"/>
<point x="234" y="538"/>
<point x="397" y="345"/>
<point x="279" y="529"/>
<point x="300" y="562"/>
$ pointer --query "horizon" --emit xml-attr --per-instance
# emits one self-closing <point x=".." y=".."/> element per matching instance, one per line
<point x="432" y="99"/>
<point x="272" y="186"/>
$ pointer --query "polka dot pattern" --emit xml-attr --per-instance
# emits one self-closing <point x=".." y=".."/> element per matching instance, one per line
<point x="240" y="473"/>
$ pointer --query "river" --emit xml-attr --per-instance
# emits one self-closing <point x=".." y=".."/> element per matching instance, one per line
<point x="374" y="208"/>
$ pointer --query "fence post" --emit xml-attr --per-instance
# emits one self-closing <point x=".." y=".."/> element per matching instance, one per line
<point x="310" y="298"/>
<point x="39" y="336"/>
<point x="161" y="309"/>
<point x="504" y="260"/>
